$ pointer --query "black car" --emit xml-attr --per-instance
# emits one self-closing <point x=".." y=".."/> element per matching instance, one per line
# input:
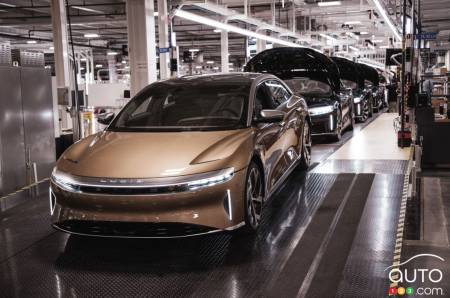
<point x="371" y="85"/>
<point x="352" y="78"/>
<point x="315" y="77"/>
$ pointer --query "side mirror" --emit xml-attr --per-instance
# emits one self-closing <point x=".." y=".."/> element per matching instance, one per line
<point x="105" y="118"/>
<point x="270" y="116"/>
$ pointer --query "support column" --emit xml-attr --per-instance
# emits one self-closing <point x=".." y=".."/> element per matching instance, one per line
<point x="141" y="43"/>
<point x="112" y="69"/>
<point x="60" y="43"/>
<point x="260" y="43"/>
<point x="272" y="10"/>
<point x="224" y="50"/>
<point x="163" y="35"/>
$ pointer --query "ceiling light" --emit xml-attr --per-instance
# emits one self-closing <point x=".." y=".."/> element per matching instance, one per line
<point x="384" y="47"/>
<point x="81" y="68"/>
<point x="198" y="67"/>
<point x="51" y="48"/>
<point x="215" y="67"/>
<point x="91" y="35"/>
<point x="217" y="30"/>
<point x="111" y="53"/>
<point x="231" y="64"/>
<point x="98" y="65"/>
<point x="371" y="46"/>
<point x="194" y="50"/>
<point x="363" y="32"/>
<point x="377" y="40"/>
<point x="328" y="37"/>
<point x="155" y="14"/>
<point x="352" y="22"/>
<point x="209" y="62"/>
<point x="353" y="48"/>
<point x="31" y="41"/>
<point x="329" y="3"/>
<point x="213" y="23"/>
<point x="87" y="9"/>
<point x="7" y="4"/>
<point x="124" y="62"/>
<point x="83" y="59"/>
<point x="386" y="19"/>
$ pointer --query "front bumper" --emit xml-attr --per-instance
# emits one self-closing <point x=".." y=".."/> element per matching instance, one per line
<point x="177" y="214"/>
<point x="324" y="124"/>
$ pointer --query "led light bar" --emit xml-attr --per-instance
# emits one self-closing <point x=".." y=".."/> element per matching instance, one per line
<point x="91" y="35"/>
<point x="386" y="19"/>
<point x="352" y="22"/>
<point x="329" y="3"/>
<point x="87" y="9"/>
<point x="219" y="25"/>
<point x="353" y="48"/>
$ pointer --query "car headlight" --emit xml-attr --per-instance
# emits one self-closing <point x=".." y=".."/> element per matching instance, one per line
<point x="320" y="110"/>
<point x="213" y="178"/>
<point x="357" y="99"/>
<point x="64" y="181"/>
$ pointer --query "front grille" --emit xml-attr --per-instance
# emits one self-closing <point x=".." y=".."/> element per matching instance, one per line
<point x="319" y="127"/>
<point x="132" y="191"/>
<point x="132" y="229"/>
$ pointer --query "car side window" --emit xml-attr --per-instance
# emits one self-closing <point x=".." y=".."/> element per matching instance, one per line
<point x="277" y="92"/>
<point x="262" y="100"/>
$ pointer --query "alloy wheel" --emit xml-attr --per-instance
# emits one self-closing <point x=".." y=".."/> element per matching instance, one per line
<point x="254" y="197"/>
<point x="306" y="147"/>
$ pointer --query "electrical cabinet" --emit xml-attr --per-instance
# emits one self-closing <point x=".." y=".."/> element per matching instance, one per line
<point x="26" y="126"/>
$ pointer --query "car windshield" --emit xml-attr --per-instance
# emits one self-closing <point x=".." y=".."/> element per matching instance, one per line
<point x="164" y="107"/>
<point x="349" y="84"/>
<point x="306" y="86"/>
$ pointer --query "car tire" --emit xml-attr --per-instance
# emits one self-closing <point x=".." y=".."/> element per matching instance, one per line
<point x="365" y="112"/>
<point x="305" y="158"/>
<point x="253" y="198"/>
<point x="371" y="109"/>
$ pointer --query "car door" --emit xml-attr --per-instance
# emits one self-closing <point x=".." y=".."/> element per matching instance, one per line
<point x="271" y="137"/>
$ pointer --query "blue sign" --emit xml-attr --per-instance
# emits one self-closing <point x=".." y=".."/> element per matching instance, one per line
<point x="427" y="35"/>
<point x="162" y="50"/>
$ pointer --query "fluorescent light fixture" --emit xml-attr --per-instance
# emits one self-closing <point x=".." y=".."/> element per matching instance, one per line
<point x="377" y="40"/>
<point x="81" y="68"/>
<point x="387" y="19"/>
<point x="213" y="23"/>
<point x="328" y="37"/>
<point x="87" y="9"/>
<point x="198" y="67"/>
<point x="155" y="14"/>
<point x="111" y="53"/>
<point x="124" y="62"/>
<point x="91" y="35"/>
<point x="363" y="32"/>
<point x="353" y="48"/>
<point x="351" y="34"/>
<point x="194" y="50"/>
<point x="83" y="59"/>
<point x="51" y="48"/>
<point x="329" y="3"/>
<point x="217" y="30"/>
<point x="31" y="41"/>
<point x="384" y="47"/>
<point x="216" y="68"/>
<point x="371" y="46"/>
<point x="98" y="65"/>
<point x="210" y="62"/>
<point x="352" y="22"/>
<point x="230" y="64"/>
<point x="230" y="69"/>
<point x="7" y="4"/>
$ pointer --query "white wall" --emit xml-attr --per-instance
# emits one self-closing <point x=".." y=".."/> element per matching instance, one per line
<point x="106" y="95"/>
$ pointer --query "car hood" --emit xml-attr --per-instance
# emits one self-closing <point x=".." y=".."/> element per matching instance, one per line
<point x="157" y="154"/>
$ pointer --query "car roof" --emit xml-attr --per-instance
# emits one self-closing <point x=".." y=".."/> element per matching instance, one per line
<point x="232" y="77"/>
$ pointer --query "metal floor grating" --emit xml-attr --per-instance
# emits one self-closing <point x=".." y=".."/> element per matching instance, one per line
<point x="334" y="166"/>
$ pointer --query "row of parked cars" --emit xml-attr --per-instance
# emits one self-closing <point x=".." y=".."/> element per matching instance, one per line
<point x="338" y="91"/>
<point x="202" y="154"/>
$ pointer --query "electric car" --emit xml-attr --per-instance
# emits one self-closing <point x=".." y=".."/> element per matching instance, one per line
<point x="185" y="156"/>
<point x="315" y="77"/>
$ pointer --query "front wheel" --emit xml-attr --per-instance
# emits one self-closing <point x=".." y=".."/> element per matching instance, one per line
<point x="253" y="198"/>
<point x="305" y="159"/>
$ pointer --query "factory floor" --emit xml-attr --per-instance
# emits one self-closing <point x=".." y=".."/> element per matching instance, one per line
<point x="327" y="232"/>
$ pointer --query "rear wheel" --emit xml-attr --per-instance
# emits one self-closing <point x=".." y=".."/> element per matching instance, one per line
<point x="253" y="198"/>
<point x="305" y="159"/>
<point x="365" y="112"/>
<point x="371" y="108"/>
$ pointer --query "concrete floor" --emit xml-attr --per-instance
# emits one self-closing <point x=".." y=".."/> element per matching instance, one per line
<point x="327" y="232"/>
